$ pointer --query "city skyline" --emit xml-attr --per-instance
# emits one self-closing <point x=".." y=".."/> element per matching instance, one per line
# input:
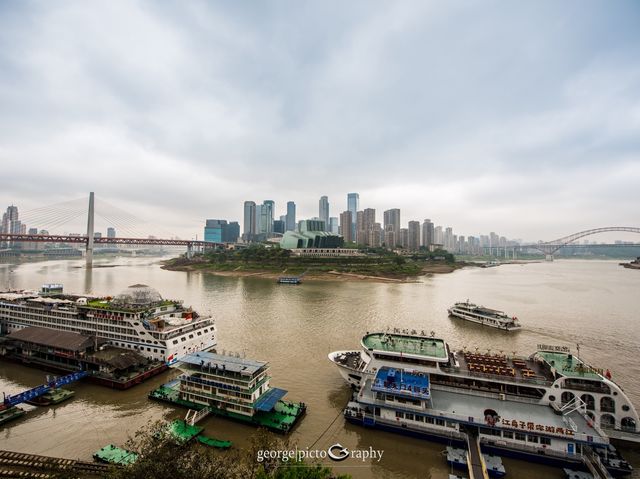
<point x="478" y="114"/>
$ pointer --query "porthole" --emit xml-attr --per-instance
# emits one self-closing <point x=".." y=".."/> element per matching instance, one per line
<point x="552" y="398"/>
<point x="625" y="408"/>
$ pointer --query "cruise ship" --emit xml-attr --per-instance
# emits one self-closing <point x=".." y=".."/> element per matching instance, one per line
<point x="138" y="319"/>
<point x="549" y="406"/>
<point x="485" y="316"/>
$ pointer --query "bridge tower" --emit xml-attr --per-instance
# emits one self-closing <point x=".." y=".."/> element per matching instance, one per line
<point x="90" y="233"/>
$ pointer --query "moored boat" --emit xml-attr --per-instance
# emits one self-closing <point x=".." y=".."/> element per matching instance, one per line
<point x="546" y="407"/>
<point x="51" y="397"/>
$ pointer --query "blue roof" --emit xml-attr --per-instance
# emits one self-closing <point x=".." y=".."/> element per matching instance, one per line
<point x="268" y="400"/>
<point x="402" y="382"/>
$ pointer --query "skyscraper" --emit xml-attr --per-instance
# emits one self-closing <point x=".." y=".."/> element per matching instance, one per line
<point x="369" y="218"/>
<point x="346" y="226"/>
<point x="334" y="225"/>
<point x="291" y="216"/>
<point x="250" y="221"/>
<point x="266" y="217"/>
<point x="353" y="204"/>
<point x="392" y="218"/>
<point x="413" y="242"/>
<point x="324" y="211"/>
<point x="360" y="231"/>
<point x="427" y="234"/>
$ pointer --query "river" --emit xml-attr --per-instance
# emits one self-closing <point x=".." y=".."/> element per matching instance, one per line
<point x="593" y="303"/>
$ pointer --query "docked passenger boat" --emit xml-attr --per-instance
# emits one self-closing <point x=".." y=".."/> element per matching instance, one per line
<point x="138" y="319"/>
<point x="485" y="316"/>
<point x="548" y="407"/>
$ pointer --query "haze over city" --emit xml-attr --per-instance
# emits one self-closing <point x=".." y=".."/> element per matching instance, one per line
<point x="521" y="119"/>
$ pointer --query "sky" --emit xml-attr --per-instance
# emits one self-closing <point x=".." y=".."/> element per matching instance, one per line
<point x="521" y="118"/>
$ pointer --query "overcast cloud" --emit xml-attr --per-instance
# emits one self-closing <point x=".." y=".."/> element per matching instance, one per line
<point x="516" y="117"/>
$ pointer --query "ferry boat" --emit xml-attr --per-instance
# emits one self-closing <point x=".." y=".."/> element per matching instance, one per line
<point x="635" y="264"/>
<point x="138" y="319"/>
<point x="546" y="407"/>
<point x="485" y="316"/>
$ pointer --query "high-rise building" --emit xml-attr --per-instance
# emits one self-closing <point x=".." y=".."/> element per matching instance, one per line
<point x="360" y="230"/>
<point x="353" y="205"/>
<point x="413" y="242"/>
<point x="291" y="216"/>
<point x="390" y="237"/>
<point x="392" y="220"/>
<point x="111" y="232"/>
<point x="376" y="235"/>
<point x="220" y="231"/>
<point x="334" y="225"/>
<point x="346" y="226"/>
<point x="266" y="217"/>
<point x="427" y="234"/>
<point x="438" y="236"/>
<point x="403" y="238"/>
<point x="448" y="239"/>
<point x="324" y="211"/>
<point x="278" y="226"/>
<point x="12" y="225"/>
<point x="249" y="225"/>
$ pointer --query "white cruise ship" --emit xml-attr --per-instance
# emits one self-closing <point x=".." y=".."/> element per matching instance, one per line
<point x="138" y="319"/>
<point x="550" y="402"/>
<point x="485" y="316"/>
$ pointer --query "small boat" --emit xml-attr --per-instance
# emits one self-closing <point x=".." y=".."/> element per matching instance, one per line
<point x="457" y="457"/>
<point x="289" y="280"/>
<point x="635" y="264"/>
<point x="613" y="461"/>
<point x="485" y="316"/>
<point x="111" y="454"/>
<point x="491" y="264"/>
<point x="213" y="442"/>
<point x="51" y="397"/>
<point x="10" y="414"/>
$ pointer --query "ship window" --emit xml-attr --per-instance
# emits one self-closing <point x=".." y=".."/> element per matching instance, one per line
<point x="520" y="436"/>
<point x="175" y="341"/>
<point x="545" y="440"/>
<point x="589" y="401"/>
<point x="428" y="420"/>
<point x="532" y="438"/>
<point x="507" y="434"/>
<point x="607" y="420"/>
<point x="439" y="422"/>
<point x="409" y="416"/>
<point x="183" y="339"/>
<point x="199" y="333"/>
<point x="628" y="424"/>
<point x="567" y="397"/>
<point x="420" y="418"/>
<point x="625" y="407"/>
<point x="155" y="350"/>
<point x="206" y="330"/>
<point x="191" y="336"/>
<point x="607" y="404"/>
<point x="552" y="398"/>
<point x="399" y="414"/>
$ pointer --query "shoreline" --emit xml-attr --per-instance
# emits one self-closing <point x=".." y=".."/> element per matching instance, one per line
<point x="333" y="275"/>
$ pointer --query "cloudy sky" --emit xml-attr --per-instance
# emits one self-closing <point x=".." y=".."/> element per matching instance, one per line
<point x="517" y="117"/>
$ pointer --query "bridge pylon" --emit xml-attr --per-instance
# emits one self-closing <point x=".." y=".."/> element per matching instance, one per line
<point x="90" y="232"/>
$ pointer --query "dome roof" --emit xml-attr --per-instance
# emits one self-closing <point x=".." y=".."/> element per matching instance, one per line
<point x="138" y="294"/>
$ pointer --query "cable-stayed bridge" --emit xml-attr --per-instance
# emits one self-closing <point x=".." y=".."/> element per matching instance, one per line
<point x="56" y="216"/>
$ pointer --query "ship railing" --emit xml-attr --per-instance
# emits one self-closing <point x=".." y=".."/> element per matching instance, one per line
<point x="498" y="377"/>
<point x="485" y="394"/>
<point x="547" y="451"/>
<point x="594" y="464"/>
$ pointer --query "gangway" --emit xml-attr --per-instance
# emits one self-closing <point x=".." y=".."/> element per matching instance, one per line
<point x="475" y="461"/>
<point x="14" y="400"/>
<point x="193" y="417"/>
<point x="594" y="464"/>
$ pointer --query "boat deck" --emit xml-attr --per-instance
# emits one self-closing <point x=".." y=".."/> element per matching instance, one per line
<point x="512" y="415"/>
<point x="523" y="369"/>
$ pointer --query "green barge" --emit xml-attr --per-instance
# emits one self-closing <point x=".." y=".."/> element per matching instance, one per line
<point x="231" y="387"/>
